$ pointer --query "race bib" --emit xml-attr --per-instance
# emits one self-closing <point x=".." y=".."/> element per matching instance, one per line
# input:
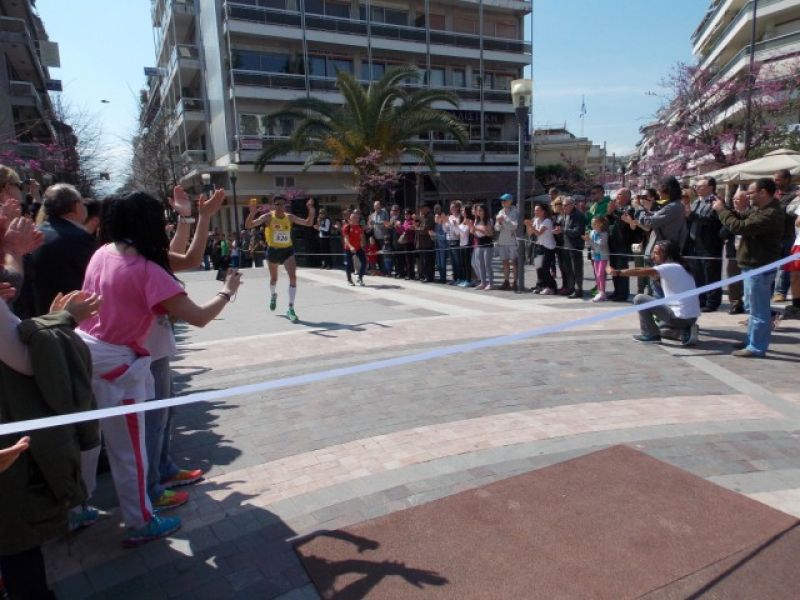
<point x="280" y="237"/>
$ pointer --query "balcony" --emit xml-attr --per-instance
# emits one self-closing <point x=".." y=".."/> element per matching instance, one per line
<point x="284" y="81"/>
<point x="20" y="49"/>
<point x="764" y="50"/>
<point x="24" y="94"/>
<point x="740" y="23"/>
<point x="164" y="11"/>
<point x="191" y="106"/>
<point x="193" y="157"/>
<point x="183" y="56"/>
<point x="358" y="27"/>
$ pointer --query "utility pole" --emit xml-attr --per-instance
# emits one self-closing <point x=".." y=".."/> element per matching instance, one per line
<point x="748" y="125"/>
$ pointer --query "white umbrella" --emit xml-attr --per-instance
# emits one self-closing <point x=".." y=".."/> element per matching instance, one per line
<point x="765" y="166"/>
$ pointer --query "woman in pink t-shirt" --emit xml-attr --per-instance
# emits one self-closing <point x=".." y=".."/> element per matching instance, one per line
<point x="133" y="275"/>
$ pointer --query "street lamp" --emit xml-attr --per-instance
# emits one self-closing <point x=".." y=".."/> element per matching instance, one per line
<point x="521" y="97"/>
<point x="233" y="173"/>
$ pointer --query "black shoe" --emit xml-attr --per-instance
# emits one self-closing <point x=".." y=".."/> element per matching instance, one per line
<point x="575" y="294"/>
<point x="736" y="309"/>
<point x="708" y="309"/>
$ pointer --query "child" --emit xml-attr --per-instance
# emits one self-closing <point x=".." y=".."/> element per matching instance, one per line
<point x="598" y="240"/>
<point x="386" y="255"/>
<point x="372" y="256"/>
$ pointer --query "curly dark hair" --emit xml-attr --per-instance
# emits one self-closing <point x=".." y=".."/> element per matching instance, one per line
<point x="137" y="219"/>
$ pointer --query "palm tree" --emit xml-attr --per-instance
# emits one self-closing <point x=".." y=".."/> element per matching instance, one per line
<point x="384" y="120"/>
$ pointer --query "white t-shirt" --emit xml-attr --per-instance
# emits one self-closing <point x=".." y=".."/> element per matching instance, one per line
<point x="546" y="239"/>
<point x="674" y="280"/>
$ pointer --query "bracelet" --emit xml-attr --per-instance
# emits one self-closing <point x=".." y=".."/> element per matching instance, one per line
<point x="188" y="220"/>
<point x="225" y="295"/>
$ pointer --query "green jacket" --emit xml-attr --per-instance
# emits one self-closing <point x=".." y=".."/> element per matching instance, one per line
<point x="761" y="230"/>
<point x="45" y="482"/>
<point x="598" y="209"/>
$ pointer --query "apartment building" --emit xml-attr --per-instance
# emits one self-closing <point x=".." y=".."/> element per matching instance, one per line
<point x="722" y="46"/>
<point x="26" y="120"/>
<point x="223" y="66"/>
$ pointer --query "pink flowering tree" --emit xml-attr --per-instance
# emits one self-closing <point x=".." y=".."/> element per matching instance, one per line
<point x="702" y="123"/>
<point x="374" y="178"/>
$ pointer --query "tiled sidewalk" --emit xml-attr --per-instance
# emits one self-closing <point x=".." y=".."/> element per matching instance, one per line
<point x="290" y="462"/>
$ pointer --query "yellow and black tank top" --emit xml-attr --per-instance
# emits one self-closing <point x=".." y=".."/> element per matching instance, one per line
<point x="279" y="232"/>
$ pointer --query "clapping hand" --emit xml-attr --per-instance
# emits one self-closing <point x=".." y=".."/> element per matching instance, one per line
<point x="81" y="305"/>
<point x="210" y="207"/>
<point x="180" y="202"/>
<point x="718" y="205"/>
<point x="21" y="237"/>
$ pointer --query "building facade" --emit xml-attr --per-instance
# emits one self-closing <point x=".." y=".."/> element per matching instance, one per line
<point x="722" y="45"/>
<point x="28" y="130"/>
<point x="222" y="67"/>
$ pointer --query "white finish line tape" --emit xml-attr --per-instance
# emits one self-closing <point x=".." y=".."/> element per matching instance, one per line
<point x="285" y="382"/>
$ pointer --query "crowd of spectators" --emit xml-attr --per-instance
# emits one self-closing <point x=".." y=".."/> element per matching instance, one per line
<point x="89" y="298"/>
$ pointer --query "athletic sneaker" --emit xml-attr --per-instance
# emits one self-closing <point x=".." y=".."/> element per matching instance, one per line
<point x="648" y="339"/>
<point x="183" y="477"/>
<point x="291" y="314"/>
<point x="548" y="292"/>
<point x="690" y="335"/>
<point x="169" y="499"/>
<point x="361" y="281"/>
<point x="157" y="527"/>
<point x="599" y="297"/>
<point x="82" y="517"/>
<point x="273" y="301"/>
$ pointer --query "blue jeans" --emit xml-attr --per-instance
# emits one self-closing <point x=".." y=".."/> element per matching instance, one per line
<point x="757" y="295"/>
<point x="457" y="260"/>
<point x="158" y="432"/>
<point x="441" y="256"/>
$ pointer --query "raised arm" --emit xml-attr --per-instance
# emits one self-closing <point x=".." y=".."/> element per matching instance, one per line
<point x="193" y="257"/>
<point x="184" y="308"/>
<point x="252" y="221"/>
<point x="309" y="220"/>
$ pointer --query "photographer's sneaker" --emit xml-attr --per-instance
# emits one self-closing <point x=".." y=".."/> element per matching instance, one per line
<point x="157" y="527"/>
<point x="183" y="477"/>
<point x="169" y="499"/>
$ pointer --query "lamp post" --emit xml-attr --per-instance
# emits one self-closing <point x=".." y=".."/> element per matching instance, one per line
<point x="233" y="174"/>
<point x="521" y="96"/>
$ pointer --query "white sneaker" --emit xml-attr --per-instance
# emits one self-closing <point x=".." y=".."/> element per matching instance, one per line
<point x="599" y="298"/>
<point x="548" y="292"/>
<point x="488" y="287"/>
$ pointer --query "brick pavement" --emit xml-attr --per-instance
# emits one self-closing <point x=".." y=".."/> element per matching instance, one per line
<point x="291" y="462"/>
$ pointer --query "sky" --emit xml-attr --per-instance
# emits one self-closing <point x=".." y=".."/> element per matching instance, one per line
<point x="613" y="52"/>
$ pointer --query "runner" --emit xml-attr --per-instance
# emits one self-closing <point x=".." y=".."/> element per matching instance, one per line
<point x="280" y="249"/>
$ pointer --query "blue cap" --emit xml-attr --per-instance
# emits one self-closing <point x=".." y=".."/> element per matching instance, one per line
<point x="506" y="197"/>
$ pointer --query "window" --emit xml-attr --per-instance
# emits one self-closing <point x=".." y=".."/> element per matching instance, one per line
<point x="505" y="30"/>
<point x="268" y="62"/>
<point x="437" y="77"/>
<point x="284" y="182"/>
<point x="462" y="25"/>
<point x="380" y="14"/>
<point x="331" y="9"/>
<point x="502" y="82"/>
<point x="378" y="69"/>
<point x="286" y="127"/>
<point x="326" y="66"/>
<point x="249" y="125"/>
<point x="459" y="78"/>
<point x="476" y="80"/>
<point x="494" y="133"/>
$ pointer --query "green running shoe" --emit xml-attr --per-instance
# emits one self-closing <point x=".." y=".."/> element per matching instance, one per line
<point x="291" y="315"/>
<point x="273" y="301"/>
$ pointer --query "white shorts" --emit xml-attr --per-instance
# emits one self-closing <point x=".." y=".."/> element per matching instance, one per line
<point x="506" y="252"/>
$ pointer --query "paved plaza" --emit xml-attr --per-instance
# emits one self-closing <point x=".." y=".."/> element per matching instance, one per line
<point x="286" y="463"/>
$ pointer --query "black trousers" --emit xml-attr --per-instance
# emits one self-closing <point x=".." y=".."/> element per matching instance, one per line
<point x="622" y="285"/>
<point x="571" y="262"/>
<point x="427" y="264"/>
<point x="325" y="250"/>
<point x="349" y="266"/>
<point x="544" y="274"/>
<point x="25" y="576"/>
<point x="706" y="272"/>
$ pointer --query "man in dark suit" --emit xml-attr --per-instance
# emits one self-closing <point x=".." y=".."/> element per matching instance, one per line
<point x="59" y="265"/>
